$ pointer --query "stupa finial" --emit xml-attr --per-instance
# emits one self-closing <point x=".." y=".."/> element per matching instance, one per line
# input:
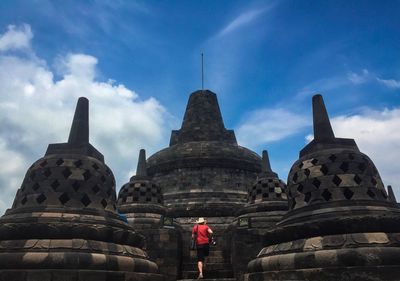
<point x="322" y="126"/>
<point x="80" y="125"/>
<point x="141" y="170"/>
<point x="391" y="195"/>
<point x="266" y="166"/>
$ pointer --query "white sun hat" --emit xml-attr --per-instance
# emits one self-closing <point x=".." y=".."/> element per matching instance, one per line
<point x="200" y="220"/>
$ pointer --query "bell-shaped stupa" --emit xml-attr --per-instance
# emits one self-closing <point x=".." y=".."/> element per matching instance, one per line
<point x="266" y="205"/>
<point x="63" y="224"/>
<point x="266" y="198"/>
<point x="141" y="199"/>
<point x="341" y="225"/>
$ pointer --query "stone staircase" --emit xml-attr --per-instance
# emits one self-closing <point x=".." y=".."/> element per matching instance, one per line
<point x="216" y="268"/>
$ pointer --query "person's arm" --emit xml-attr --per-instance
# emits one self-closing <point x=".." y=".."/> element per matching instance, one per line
<point x="209" y="230"/>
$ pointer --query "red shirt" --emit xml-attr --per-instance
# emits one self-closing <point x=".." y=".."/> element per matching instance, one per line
<point x="202" y="236"/>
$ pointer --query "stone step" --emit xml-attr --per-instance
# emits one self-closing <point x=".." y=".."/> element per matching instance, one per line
<point x="213" y="253"/>
<point x="193" y="259"/>
<point x="209" y="279"/>
<point x="208" y="274"/>
<point x="209" y="266"/>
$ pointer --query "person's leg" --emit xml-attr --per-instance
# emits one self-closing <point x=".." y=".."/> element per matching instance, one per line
<point x="200" y="267"/>
<point x="200" y="260"/>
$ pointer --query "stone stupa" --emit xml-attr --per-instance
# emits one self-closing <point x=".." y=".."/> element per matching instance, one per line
<point x="63" y="224"/>
<point x="341" y="224"/>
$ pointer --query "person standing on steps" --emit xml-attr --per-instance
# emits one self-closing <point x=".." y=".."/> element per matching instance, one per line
<point x="202" y="232"/>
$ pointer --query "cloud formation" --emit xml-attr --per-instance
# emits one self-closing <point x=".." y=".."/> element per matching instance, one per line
<point x="36" y="110"/>
<point x="390" y="83"/>
<point x="269" y="125"/>
<point x="16" y="37"/>
<point x="365" y="76"/>
<point x="241" y="20"/>
<point x="358" y="78"/>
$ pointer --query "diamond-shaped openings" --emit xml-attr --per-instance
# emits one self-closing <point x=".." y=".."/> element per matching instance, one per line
<point x="332" y="158"/>
<point x="357" y="179"/>
<point x="324" y="169"/>
<point x="344" y="166"/>
<point x="47" y="173"/>
<point x="36" y="186"/>
<point x="371" y="193"/>
<point x="326" y="195"/>
<point x="41" y="198"/>
<point x="96" y="188"/>
<point x="54" y="185"/>
<point x="95" y="166"/>
<point x="76" y="185"/>
<point x="316" y="182"/>
<point x="362" y="167"/>
<point x="59" y="162"/>
<point x="85" y="200"/>
<point x="104" y="203"/>
<point x="336" y="180"/>
<point x="348" y="194"/>
<point x="78" y="163"/>
<point x="66" y="173"/>
<point x="87" y="175"/>
<point x="300" y="188"/>
<point x="307" y="172"/>
<point x="314" y="161"/>
<point x="64" y="198"/>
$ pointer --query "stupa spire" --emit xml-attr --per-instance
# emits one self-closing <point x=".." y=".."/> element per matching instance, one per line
<point x="392" y="197"/>
<point x="78" y="141"/>
<point x="141" y="170"/>
<point x="202" y="121"/>
<point x="266" y="166"/>
<point x="322" y="126"/>
<point x="80" y="125"/>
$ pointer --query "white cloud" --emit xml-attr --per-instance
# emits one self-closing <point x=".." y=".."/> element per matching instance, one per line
<point x="241" y="20"/>
<point x="16" y="38"/>
<point x="269" y="125"/>
<point x="359" y="78"/>
<point x="377" y="134"/>
<point x="36" y="110"/>
<point x="390" y="83"/>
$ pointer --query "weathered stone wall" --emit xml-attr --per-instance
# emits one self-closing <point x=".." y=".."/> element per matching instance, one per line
<point x="207" y="184"/>
<point x="164" y="247"/>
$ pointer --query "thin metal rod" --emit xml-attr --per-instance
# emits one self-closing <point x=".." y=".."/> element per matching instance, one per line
<point x="202" y="72"/>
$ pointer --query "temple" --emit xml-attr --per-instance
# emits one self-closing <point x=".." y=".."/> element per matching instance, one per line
<point x="333" y="220"/>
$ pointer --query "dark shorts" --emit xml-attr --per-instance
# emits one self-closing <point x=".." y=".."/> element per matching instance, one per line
<point x="203" y="251"/>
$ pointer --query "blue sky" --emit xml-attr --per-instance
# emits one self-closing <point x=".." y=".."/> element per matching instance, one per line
<point x="138" y="61"/>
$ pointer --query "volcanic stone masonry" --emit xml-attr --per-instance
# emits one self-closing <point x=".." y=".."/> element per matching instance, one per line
<point x="64" y="224"/>
<point x="333" y="221"/>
